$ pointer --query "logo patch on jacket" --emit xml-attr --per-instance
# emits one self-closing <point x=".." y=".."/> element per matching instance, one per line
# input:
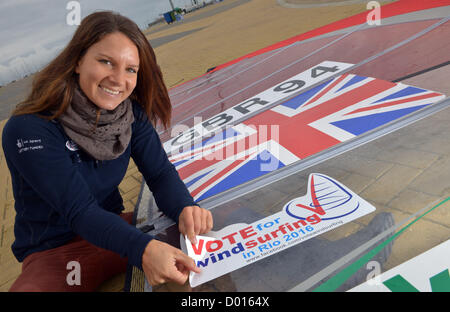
<point x="25" y="145"/>
<point x="71" y="146"/>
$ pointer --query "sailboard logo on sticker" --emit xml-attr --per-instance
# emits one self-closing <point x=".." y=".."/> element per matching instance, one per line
<point x="329" y="199"/>
<point x="72" y="146"/>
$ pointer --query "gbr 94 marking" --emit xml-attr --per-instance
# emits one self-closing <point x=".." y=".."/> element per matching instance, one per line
<point x="287" y="88"/>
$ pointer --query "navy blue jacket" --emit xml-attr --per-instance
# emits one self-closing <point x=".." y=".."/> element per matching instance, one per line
<point x="60" y="192"/>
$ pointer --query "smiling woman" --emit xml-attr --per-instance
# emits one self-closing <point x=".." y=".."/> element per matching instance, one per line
<point x="68" y="146"/>
<point x="109" y="78"/>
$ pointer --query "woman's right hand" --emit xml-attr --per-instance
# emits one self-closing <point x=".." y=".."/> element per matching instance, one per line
<point x="162" y="263"/>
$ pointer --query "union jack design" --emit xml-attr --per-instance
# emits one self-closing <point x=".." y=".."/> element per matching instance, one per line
<point x="331" y="113"/>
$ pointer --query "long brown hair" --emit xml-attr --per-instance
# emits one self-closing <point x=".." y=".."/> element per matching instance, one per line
<point x="53" y="86"/>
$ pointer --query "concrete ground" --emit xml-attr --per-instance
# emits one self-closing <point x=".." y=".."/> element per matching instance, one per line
<point x="208" y="37"/>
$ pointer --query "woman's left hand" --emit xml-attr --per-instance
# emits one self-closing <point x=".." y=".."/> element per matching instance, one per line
<point x="193" y="221"/>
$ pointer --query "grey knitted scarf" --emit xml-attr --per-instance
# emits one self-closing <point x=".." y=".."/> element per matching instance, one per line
<point x="104" y="139"/>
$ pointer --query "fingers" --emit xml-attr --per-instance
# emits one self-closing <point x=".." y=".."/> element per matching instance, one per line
<point x="209" y="222"/>
<point x="189" y="263"/>
<point x="162" y="263"/>
<point x="179" y="277"/>
<point x="196" y="224"/>
<point x="184" y="265"/>
<point x="187" y="224"/>
<point x="193" y="221"/>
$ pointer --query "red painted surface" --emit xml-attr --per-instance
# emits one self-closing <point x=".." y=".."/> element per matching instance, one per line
<point x="389" y="10"/>
<point x="424" y="52"/>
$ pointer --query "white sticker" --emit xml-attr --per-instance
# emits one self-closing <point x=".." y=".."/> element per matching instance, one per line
<point x="327" y="205"/>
